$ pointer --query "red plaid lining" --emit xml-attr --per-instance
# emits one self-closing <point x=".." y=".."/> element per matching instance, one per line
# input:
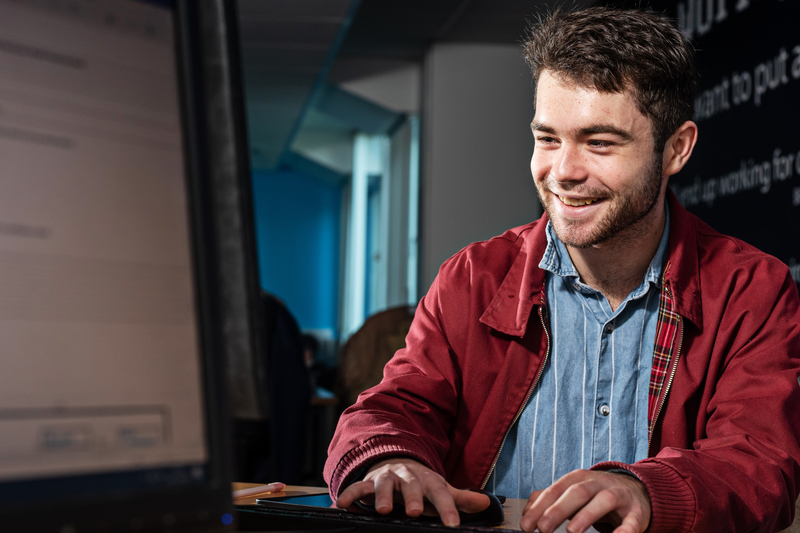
<point x="662" y="351"/>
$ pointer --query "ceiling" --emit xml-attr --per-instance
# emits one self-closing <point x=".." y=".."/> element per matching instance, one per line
<point x="286" y="48"/>
<point x="403" y="29"/>
<point x="290" y="46"/>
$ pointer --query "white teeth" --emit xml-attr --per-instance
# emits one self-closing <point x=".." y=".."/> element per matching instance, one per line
<point x="577" y="202"/>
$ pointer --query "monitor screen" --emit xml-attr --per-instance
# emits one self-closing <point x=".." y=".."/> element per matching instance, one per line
<point x="104" y="385"/>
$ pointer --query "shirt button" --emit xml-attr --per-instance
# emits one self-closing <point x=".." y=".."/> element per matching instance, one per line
<point x="605" y="410"/>
<point x="609" y="328"/>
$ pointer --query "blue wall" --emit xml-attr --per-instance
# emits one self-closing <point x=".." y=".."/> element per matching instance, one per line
<point x="297" y="231"/>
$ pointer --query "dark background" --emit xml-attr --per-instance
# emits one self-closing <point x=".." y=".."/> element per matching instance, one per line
<point x="744" y="176"/>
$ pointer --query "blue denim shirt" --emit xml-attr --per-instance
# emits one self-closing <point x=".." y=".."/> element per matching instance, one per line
<point x="590" y="404"/>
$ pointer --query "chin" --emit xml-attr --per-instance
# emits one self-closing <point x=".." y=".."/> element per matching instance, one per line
<point x="574" y="241"/>
<point x="571" y="235"/>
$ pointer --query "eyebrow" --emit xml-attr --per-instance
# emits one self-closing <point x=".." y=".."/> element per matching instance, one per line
<point x="605" y="128"/>
<point x="538" y="126"/>
<point x="591" y="130"/>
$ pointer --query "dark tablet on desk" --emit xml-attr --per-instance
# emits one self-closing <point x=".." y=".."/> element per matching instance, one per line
<point x="305" y="502"/>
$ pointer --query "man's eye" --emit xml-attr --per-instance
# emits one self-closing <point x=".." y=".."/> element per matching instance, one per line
<point x="600" y="144"/>
<point x="546" y="140"/>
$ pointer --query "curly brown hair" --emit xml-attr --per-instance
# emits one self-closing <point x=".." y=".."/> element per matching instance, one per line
<point x="615" y="50"/>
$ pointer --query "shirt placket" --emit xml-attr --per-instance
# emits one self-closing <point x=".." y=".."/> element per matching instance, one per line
<point x="602" y="405"/>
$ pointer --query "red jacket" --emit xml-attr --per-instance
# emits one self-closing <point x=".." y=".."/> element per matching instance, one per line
<point x="724" y="452"/>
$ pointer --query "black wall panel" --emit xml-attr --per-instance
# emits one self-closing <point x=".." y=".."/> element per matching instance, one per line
<point x="744" y="176"/>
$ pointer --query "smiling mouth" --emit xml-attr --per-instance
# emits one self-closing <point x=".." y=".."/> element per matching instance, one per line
<point x="578" y="202"/>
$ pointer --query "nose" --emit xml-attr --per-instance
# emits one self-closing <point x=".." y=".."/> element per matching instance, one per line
<point x="568" y="164"/>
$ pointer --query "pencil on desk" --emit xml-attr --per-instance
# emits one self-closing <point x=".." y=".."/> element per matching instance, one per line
<point x="261" y="489"/>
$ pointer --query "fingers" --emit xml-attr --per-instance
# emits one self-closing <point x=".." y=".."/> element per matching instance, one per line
<point x="588" y="497"/>
<point x="603" y="501"/>
<point x="415" y="483"/>
<point x="382" y="481"/>
<point x="630" y="525"/>
<point x="441" y="498"/>
<point x="355" y="492"/>
<point x="469" y="501"/>
<point x="392" y="480"/>
<point x="547" y="509"/>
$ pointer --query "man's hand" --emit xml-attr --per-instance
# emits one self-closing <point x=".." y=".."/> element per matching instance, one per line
<point x="587" y="497"/>
<point x="415" y="483"/>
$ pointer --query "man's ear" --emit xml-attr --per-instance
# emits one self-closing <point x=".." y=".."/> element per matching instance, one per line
<point x="679" y="148"/>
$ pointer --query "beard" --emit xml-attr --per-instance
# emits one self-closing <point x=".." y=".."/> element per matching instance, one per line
<point x="625" y="209"/>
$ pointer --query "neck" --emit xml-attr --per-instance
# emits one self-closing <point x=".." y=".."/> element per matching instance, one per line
<point x="617" y="266"/>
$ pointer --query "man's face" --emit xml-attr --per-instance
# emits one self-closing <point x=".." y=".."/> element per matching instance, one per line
<point x="593" y="163"/>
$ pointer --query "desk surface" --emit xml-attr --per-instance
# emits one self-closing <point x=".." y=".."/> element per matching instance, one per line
<point x="512" y="507"/>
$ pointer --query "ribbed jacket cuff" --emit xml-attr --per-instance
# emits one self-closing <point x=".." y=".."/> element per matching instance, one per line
<point x="672" y="501"/>
<point x="372" y="451"/>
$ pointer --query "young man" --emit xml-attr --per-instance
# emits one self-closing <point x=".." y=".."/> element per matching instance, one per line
<point x="617" y="360"/>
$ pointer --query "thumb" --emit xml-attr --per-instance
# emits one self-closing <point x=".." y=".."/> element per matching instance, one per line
<point x="469" y="501"/>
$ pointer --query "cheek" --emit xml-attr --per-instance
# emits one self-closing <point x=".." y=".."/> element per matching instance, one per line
<point x="622" y="177"/>
<point x="539" y="166"/>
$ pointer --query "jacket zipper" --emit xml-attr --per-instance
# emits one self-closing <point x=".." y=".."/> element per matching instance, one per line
<point x="525" y="403"/>
<point x="671" y="376"/>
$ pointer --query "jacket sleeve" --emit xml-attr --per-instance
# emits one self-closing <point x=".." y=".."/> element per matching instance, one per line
<point x="410" y="412"/>
<point x="741" y="471"/>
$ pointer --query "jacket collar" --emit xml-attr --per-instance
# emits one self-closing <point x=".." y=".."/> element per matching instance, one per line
<point x="683" y="275"/>
<point x="523" y="286"/>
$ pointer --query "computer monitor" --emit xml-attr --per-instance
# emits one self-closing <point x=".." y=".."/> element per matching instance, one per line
<point x="125" y="272"/>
